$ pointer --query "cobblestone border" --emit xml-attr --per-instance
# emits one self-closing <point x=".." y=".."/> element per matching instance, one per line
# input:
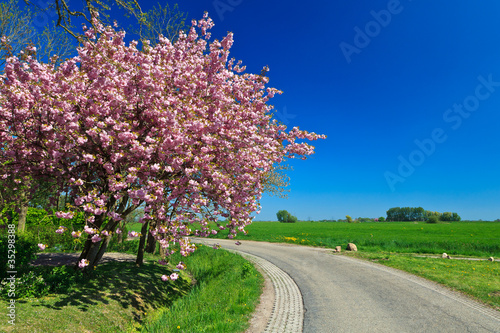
<point x="288" y="310"/>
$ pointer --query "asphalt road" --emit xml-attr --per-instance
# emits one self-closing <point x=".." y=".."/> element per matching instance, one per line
<point x="343" y="294"/>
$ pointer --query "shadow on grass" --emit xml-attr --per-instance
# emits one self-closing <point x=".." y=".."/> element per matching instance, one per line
<point x="139" y="288"/>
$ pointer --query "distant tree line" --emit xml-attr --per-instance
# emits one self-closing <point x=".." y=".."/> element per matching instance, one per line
<point x="418" y="214"/>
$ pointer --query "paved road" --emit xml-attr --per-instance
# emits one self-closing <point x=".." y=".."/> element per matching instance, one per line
<point x="343" y="294"/>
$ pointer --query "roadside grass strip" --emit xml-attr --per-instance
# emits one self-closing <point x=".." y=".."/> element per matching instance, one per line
<point x="226" y="293"/>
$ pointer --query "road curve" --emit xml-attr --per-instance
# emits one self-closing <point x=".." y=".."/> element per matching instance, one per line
<point x="342" y="294"/>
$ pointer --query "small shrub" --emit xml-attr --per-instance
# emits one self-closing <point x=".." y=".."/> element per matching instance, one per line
<point x="433" y="219"/>
<point x="246" y="269"/>
<point x="46" y="234"/>
<point x="25" y="251"/>
<point x="41" y="281"/>
<point x="348" y="218"/>
<point x="130" y="246"/>
<point x="381" y="219"/>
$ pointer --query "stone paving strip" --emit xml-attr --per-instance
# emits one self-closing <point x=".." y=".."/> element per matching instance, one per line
<point x="288" y="311"/>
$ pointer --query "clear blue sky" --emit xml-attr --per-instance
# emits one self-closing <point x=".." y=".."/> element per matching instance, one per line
<point x="374" y="96"/>
<point x="408" y="93"/>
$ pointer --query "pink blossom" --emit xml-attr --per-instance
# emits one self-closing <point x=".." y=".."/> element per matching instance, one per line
<point x="63" y="215"/>
<point x="118" y="231"/>
<point x="61" y="230"/>
<point x="134" y="234"/>
<point x="83" y="263"/>
<point x="165" y="277"/>
<point x="89" y="230"/>
<point x="42" y="246"/>
<point x="174" y="276"/>
<point x="76" y="234"/>
<point x="115" y="216"/>
<point x="96" y="238"/>
<point x="162" y="262"/>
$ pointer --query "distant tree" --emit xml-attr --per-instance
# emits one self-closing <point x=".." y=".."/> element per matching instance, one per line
<point x="406" y="214"/>
<point x="348" y="218"/>
<point x="449" y="217"/>
<point x="285" y="217"/>
<point x="381" y="219"/>
<point x="432" y="219"/>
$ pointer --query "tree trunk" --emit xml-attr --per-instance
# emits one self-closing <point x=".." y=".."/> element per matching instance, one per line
<point x="140" y="252"/>
<point x="22" y="217"/>
<point x="120" y="238"/>
<point x="163" y="251"/>
<point x="92" y="254"/>
<point x="23" y="211"/>
<point x="151" y="244"/>
<point x="101" y="251"/>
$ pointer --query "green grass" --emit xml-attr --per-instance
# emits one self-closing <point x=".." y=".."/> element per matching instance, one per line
<point x="227" y="292"/>
<point x="123" y="298"/>
<point x="480" y="279"/>
<point x="115" y="300"/>
<point x="458" y="238"/>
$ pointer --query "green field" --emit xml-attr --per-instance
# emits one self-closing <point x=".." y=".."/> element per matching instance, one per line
<point x="481" y="239"/>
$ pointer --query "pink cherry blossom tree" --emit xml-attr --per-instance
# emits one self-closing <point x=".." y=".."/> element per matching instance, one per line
<point x="177" y="128"/>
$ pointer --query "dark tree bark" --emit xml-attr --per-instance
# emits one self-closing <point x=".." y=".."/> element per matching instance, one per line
<point x="142" y="243"/>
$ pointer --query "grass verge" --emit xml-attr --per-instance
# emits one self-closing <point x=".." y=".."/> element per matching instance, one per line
<point x="223" y="299"/>
<point x="124" y="298"/>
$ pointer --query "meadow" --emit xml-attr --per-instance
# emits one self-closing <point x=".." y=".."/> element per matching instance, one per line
<point x="480" y="239"/>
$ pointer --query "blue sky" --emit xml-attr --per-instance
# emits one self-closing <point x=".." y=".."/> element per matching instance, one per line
<point x="408" y="93"/>
<point x="375" y="93"/>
